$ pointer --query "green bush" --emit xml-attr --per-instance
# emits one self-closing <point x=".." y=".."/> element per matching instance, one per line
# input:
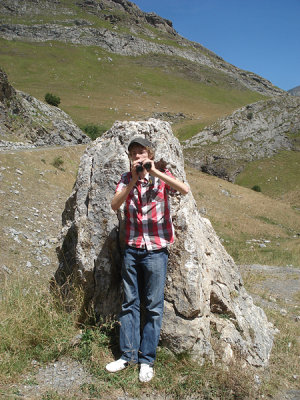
<point x="256" y="188"/>
<point x="94" y="131"/>
<point x="52" y="99"/>
<point x="58" y="162"/>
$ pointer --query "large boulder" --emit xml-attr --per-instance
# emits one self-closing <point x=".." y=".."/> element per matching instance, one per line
<point x="207" y="309"/>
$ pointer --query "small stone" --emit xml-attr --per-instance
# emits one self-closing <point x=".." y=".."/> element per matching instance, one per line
<point x="257" y="379"/>
<point x="18" y="171"/>
<point x="297" y="319"/>
<point x="225" y="192"/>
<point x="6" y="269"/>
<point x="28" y="264"/>
<point x="262" y="245"/>
<point x="283" y="312"/>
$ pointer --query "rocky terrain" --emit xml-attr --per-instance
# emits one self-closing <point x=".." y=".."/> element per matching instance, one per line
<point x="117" y="26"/>
<point x="258" y="130"/>
<point x="295" y="91"/>
<point x="26" y="122"/>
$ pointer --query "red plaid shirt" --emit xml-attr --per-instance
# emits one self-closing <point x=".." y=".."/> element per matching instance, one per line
<point x="148" y="222"/>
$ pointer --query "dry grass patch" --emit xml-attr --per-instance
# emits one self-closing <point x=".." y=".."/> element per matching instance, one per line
<point x="244" y="219"/>
<point x="32" y="201"/>
<point x="33" y="326"/>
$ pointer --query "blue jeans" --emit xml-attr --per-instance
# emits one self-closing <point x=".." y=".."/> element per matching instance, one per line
<point x="144" y="275"/>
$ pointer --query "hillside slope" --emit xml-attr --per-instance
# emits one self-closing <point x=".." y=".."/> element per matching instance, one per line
<point x="108" y="60"/>
<point x="254" y="132"/>
<point x="117" y="26"/>
<point x="25" y="120"/>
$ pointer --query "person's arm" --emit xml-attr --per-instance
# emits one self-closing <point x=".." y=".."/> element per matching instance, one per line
<point x="121" y="196"/>
<point x="174" y="183"/>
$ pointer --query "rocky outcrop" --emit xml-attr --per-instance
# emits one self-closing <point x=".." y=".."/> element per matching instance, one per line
<point x="29" y="120"/>
<point x="295" y="91"/>
<point x="207" y="309"/>
<point x="253" y="132"/>
<point x="120" y="14"/>
<point x="6" y="90"/>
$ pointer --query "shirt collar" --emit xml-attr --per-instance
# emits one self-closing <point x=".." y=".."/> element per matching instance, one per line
<point x="148" y="180"/>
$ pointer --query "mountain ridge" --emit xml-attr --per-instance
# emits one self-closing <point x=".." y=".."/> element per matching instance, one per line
<point x="295" y="91"/>
<point x="125" y="30"/>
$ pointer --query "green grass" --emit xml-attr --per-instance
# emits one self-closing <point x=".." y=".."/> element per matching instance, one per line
<point x="95" y="90"/>
<point x="187" y="131"/>
<point x="33" y="326"/>
<point x="278" y="176"/>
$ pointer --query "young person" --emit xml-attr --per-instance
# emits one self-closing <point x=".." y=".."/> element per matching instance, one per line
<point x="148" y="231"/>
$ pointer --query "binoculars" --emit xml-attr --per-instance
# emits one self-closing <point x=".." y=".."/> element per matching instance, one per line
<point x="141" y="166"/>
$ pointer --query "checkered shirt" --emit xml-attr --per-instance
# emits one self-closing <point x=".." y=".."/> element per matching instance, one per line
<point x="148" y="222"/>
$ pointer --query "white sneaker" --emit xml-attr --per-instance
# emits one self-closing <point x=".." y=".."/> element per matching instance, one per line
<point x="116" y="366"/>
<point x="146" y="373"/>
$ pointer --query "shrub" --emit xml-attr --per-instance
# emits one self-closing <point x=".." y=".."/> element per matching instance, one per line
<point x="256" y="188"/>
<point x="250" y="115"/>
<point x="58" y="162"/>
<point x="94" y="131"/>
<point x="52" y="99"/>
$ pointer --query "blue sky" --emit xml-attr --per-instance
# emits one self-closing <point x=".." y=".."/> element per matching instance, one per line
<point x="262" y="36"/>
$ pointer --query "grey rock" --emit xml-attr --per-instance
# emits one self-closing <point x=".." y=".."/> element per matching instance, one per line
<point x="252" y="132"/>
<point x="6" y="269"/>
<point x="206" y="304"/>
<point x="295" y="91"/>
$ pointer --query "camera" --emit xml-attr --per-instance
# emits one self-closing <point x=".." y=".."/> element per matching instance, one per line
<point x="141" y="166"/>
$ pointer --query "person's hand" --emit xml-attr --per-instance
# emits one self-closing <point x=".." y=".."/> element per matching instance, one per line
<point x="134" y="172"/>
<point x="152" y="169"/>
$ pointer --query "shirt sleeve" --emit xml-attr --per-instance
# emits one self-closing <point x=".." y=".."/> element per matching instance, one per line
<point x="123" y="182"/>
<point x="168" y="187"/>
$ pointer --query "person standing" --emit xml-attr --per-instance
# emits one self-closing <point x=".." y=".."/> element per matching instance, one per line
<point x="148" y="233"/>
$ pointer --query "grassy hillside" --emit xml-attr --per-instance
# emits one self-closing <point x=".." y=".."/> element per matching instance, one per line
<point x="254" y="227"/>
<point x="99" y="87"/>
<point x="278" y="177"/>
